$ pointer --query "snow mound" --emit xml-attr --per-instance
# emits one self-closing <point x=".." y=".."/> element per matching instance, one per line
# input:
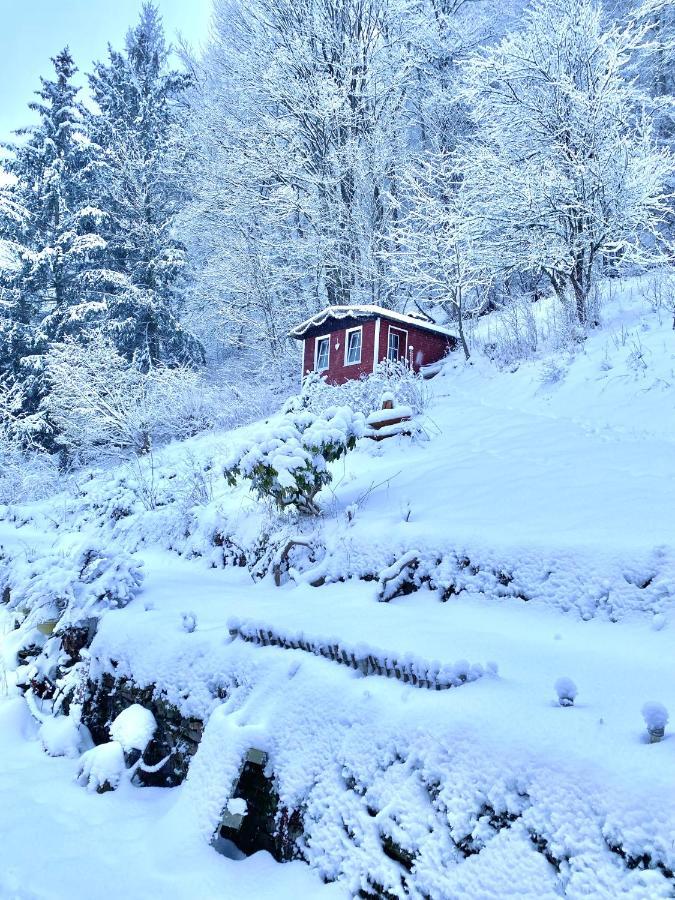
<point x="64" y="736"/>
<point x="133" y="728"/>
<point x="102" y="768"/>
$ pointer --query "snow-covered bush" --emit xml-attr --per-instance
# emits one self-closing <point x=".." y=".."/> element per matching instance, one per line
<point x="66" y="589"/>
<point x="552" y="372"/>
<point x="287" y="461"/>
<point x="656" y="719"/>
<point x="100" y="405"/>
<point x="566" y="690"/>
<point x="188" y="622"/>
<point x="365" y="394"/>
<point x="102" y="768"/>
<point x="512" y="333"/>
<point x="64" y="736"/>
<point x="56" y="600"/>
<point x="25" y="473"/>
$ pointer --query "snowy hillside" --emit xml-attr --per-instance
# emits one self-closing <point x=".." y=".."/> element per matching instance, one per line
<point x="418" y="744"/>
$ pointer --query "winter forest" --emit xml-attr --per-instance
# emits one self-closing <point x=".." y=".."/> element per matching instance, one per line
<point x="164" y="228"/>
<point x="265" y="633"/>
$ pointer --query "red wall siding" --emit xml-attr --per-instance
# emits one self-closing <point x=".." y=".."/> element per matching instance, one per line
<point x="427" y="348"/>
<point x="308" y="356"/>
<point x="338" y="372"/>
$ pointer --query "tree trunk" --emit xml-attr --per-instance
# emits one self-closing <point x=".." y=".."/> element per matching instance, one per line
<point x="460" y="325"/>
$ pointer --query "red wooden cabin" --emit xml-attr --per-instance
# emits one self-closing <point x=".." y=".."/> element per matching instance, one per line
<point x="345" y="342"/>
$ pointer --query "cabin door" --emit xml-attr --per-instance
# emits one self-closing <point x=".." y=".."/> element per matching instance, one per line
<point x="397" y="344"/>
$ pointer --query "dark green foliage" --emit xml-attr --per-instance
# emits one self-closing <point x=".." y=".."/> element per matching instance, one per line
<point x="50" y="232"/>
<point x="87" y="239"/>
<point x="288" y="462"/>
<point x="137" y="185"/>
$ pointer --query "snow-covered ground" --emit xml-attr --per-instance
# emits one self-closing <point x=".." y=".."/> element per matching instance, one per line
<point x="58" y="841"/>
<point x="540" y="509"/>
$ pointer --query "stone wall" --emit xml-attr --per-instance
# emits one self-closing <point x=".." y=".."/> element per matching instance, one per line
<point x="175" y="734"/>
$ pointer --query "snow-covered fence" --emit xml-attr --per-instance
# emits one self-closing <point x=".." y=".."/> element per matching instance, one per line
<point x="369" y="660"/>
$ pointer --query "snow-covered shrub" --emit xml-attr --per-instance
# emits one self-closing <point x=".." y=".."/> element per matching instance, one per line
<point x="66" y="589"/>
<point x="64" y="736"/>
<point x="552" y="372"/>
<point x="102" y="768"/>
<point x="512" y="333"/>
<point x="25" y="473"/>
<point x="656" y="719"/>
<point x="56" y="600"/>
<point x="365" y="394"/>
<point x="636" y="361"/>
<point x="566" y="690"/>
<point x="659" y="621"/>
<point x="287" y="461"/>
<point x="100" y="405"/>
<point x="189" y="622"/>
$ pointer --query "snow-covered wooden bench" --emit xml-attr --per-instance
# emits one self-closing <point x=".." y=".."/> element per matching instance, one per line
<point x="389" y="421"/>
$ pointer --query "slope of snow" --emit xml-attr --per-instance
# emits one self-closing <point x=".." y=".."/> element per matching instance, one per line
<point x="533" y="525"/>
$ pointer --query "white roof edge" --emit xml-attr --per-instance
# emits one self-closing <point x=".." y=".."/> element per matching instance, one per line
<point x="356" y="310"/>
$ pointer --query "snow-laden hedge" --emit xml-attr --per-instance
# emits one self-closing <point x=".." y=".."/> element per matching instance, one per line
<point x="408" y="388"/>
<point x="56" y="600"/>
<point x="65" y="589"/>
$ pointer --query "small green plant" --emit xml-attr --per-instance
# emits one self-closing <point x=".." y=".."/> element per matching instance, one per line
<point x="288" y="460"/>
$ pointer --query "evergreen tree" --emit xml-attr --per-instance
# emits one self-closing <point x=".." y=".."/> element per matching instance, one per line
<point x="137" y="187"/>
<point x="48" y="223"/>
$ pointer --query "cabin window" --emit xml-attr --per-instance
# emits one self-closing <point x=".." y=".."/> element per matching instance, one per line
<point x="322" y="353"/>
<point x="353" y="347"/>
<point x="394" y="346"/>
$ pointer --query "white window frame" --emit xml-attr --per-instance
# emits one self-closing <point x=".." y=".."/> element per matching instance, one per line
<point x="393" y="334"/>
<point x="348" y="332"/>
<point x="404" y="331"/>
<point x="317" y="341"/>
<point x="376" y="344"/>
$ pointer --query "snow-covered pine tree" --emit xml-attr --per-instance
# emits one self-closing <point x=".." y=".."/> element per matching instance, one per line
<point x="50" y="229"/>
<point x="17" y="315"/>
<point x="137" y="187"/>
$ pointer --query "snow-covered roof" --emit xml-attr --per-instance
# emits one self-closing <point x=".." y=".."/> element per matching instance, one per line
<point x="364" y="311"/>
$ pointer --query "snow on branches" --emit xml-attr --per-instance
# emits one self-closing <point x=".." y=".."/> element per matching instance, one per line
<point x="288" y="459"/>
<point x="565" y="172"/>
<point x="61" y="589"/>
<point x="100" y="405"/>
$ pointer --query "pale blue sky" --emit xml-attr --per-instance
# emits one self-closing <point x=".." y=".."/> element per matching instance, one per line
<point x="32" y="31"/>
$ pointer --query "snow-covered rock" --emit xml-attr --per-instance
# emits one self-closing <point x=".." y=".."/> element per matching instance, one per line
<point x="64" y="736"/>
<point x="102" y="768"/>
<point x="133" y="728"/>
